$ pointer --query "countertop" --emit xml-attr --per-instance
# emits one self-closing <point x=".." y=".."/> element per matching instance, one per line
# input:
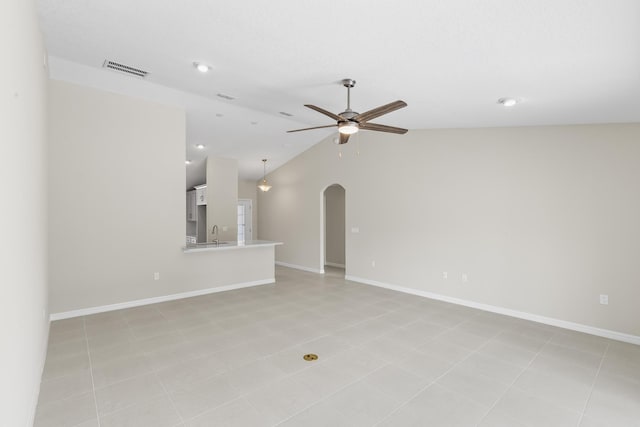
<point x="225" y="246"/>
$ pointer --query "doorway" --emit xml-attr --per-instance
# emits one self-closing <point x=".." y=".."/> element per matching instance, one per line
<point x="334" y="230"/>
<point x="245" y="219"/>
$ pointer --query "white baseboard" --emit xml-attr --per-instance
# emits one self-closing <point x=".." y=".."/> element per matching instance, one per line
<point x="618" y="336"/>
<point x="300" y="267"/>
<point x="334" y="264"/>
<point x="154" y="300"/>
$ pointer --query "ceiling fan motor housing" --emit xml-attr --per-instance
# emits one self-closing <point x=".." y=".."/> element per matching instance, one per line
<point x="348" y="82"/>
<point x="349" y="114"/>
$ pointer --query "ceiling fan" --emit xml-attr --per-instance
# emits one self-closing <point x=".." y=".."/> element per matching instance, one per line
<point x="349" y="121"/>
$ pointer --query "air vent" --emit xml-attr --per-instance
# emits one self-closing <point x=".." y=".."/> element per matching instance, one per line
<point x="125" y="69"/>
<point x="286" y="114"/>
<point x="223" y="96"/>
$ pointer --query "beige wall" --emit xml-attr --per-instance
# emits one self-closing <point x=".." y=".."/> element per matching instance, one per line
<point x="249" y="190"/>
<point x="541" y="219"/>
<point x="334" y="199"/>
<point x="117" y="205"/>
<point x="23" y="217"/>
<point x="222" y="198"/>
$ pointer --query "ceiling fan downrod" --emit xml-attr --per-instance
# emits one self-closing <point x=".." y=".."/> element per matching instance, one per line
<point x="348" y="83"/>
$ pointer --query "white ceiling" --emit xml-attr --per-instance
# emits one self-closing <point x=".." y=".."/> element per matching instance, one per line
<point x="568" y="61"/>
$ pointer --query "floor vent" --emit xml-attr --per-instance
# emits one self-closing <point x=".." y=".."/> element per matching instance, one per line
<point x="125" y="69"/>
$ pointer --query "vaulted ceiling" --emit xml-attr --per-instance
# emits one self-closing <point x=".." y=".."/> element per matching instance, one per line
<point x="566" y="61"/>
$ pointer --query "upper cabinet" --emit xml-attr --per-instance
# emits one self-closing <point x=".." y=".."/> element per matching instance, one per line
<point x="201" y="195"/>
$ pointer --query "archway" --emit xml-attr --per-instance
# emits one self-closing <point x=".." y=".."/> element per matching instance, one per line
<point x="334" y="225"/>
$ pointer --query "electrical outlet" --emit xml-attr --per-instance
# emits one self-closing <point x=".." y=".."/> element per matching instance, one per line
<point x="225" y="228"/>
<point x="445" y="275"/>
<point x="604" y="299"/>
<point x="465" y="278"/>
<point x="156" y="276"/>
<point x="373" y="264"/>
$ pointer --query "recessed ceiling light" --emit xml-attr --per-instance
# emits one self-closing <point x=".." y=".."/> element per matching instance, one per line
<point x="203" y="68"/>
<point x="219" y="115"/>
<point x="254" y="123"/>
<point x="200" y="146"/>
<point x="187" y="162"/>
<point x="508" y="102"/>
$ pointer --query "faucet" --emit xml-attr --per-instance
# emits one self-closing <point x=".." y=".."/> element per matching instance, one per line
<point x="214" y="230"/>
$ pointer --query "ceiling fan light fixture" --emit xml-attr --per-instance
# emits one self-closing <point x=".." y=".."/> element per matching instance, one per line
<point x="264" y="185"/>
<point x="348" y="128"/>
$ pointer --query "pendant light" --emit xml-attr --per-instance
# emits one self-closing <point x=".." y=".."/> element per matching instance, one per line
<point x="264" y="186"/>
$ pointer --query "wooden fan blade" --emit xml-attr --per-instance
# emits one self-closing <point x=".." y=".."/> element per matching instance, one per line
<point x="315" y="127"/>
<point x="382" y="128"/>
<point x="325" y="112"/>
<point x="377" y="112"/>
<point x="344" y="138"/>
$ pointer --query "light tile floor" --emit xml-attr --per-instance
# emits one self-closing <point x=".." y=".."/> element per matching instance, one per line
<point x="386" y="359"/>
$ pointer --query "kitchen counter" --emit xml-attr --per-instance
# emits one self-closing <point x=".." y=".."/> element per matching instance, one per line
<point x="225" y="246"/>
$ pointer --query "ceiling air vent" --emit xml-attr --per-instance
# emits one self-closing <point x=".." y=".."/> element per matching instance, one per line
<point x="125" y="69"/>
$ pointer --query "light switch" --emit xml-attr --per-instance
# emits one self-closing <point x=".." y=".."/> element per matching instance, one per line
<point x="355" y="230"/>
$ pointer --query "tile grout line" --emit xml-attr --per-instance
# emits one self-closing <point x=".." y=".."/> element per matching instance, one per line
<point x="329" y="395"/>
<point x="93" y="384"/>
<point x="328" y="334"/>
<point x="518" y="377"/>
<point x="173" y="404"/>
<point x="593" y="384"/>
<point x="413" y="396"/>
<point x="154" y="371"/>
<point x="243" y="395"/>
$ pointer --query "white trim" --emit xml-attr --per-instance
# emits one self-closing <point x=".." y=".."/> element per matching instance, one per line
<point x="155" y="300"/>
<point x="300" y="267"/>
<point x="334" y="264"/>
<point x="614" y="335"/>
